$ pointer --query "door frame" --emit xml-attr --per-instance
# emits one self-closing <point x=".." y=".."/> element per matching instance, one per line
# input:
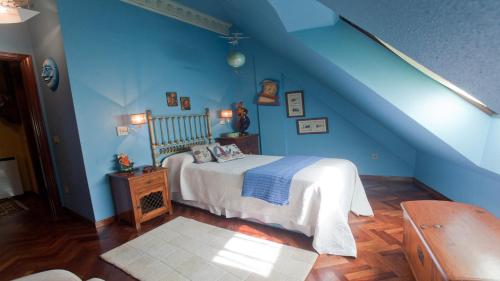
<point x="36" y="124"/>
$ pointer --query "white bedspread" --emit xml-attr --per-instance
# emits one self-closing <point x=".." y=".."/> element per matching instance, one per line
<point x="321" y="196"/>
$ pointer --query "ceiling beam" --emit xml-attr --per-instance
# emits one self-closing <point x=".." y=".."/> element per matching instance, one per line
<point x="183" y="13"/>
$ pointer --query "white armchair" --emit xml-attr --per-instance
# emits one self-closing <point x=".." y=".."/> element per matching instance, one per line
<point x="53" y="275"/>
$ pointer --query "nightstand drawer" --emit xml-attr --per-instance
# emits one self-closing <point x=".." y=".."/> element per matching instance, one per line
<point x="145" y="188"/>
<point x="149" y="180"/>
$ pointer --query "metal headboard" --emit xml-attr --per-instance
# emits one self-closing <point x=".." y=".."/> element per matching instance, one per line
<point x="170" y="134"/>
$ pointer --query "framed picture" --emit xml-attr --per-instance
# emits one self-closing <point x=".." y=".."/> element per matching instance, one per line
<point x="172" y="99"/>
<point x="269" y="93"/>
<point x="185" y="103"/>
<point x="295" y="104"/>
<point x="312" y="126"/>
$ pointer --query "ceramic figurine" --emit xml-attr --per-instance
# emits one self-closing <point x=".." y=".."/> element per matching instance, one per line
<point x="124" y="163"/>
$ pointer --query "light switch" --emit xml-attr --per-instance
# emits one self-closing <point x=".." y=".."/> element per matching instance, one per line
<point x="122" y="131"/>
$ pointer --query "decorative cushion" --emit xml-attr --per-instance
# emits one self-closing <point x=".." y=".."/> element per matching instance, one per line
<point x="235" y="151"/>
<point x="226" y="152"/>
<point x="201" y="154"/>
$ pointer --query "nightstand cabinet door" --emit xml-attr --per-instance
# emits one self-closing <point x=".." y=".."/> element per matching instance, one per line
<point x="151" y="199"/>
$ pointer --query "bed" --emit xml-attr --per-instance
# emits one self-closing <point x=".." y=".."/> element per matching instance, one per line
<point x="321" y="194"/>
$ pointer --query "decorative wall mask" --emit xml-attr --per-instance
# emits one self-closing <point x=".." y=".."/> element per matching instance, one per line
<point x="50" y="73"/>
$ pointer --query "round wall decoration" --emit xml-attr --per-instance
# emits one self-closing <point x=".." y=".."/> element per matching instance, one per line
<point x="50" y="73"/>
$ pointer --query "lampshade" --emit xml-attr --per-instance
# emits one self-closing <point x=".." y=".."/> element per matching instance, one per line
<point x="15" y="14"/>
<point x="236" y="59"/>
<point x="226" y="113"/>
<point x="138" y="119"/>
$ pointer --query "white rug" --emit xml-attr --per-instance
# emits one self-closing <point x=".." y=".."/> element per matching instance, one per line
<point x="185" y="249"/>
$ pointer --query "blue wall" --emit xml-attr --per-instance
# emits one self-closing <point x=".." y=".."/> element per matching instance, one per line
<point x="467" y="184"/>
<point x="491" y="154"/>
<point x="421" y="111"/>
<point x="15" y="38"/>
<point x="46" y="37"/>
<point x="429" y="116"/>
<point x="40" y="37"/>
<point x="122" y="60"/>
<point x="471" y="134"/>
<point x="433" y="106"/>
<point x="347" y="138"/>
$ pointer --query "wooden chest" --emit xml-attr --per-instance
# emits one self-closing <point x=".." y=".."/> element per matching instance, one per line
<point x="140" y="196"/>
<point x="247" y="144"/>
<point x="451" y="241"/>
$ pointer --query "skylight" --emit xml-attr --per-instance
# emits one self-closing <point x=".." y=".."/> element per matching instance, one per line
<point x="463" y="94"/>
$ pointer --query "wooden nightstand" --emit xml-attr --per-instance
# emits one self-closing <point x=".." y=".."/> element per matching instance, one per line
<point x="247" y="144"/>
<point x="140" y="196"/>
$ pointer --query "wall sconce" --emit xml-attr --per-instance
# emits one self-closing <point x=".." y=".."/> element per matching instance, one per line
<point x="225" y="116"/>
<point x="138" y="119"/>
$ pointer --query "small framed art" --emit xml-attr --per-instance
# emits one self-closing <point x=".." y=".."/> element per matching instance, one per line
<point x="295" y="104"/>
<point x="269" y="93"/>
<point x="185" y="103"/>
<point x="312" y="126"/>
<point x="172" y="99"/>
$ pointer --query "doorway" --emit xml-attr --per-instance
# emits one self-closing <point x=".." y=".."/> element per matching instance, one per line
<point x="21" y="108"/>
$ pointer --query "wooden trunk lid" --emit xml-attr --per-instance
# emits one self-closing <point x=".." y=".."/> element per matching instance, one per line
<point x="464" y="239"/>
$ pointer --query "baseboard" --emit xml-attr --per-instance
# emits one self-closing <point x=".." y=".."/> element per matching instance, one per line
<point x="387" y="178"/>
<point x="77" y="216"/>
<point x="413" y="180"/>
<point x="105" y="222"/>
<point x="96" y="224"/>
<point x="425" y="187"/>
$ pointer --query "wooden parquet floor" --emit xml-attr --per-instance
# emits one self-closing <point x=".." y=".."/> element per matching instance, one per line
<point x="29" y="242"/>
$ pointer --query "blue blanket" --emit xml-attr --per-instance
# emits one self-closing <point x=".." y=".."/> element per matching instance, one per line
<point x="271" y="182"/>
